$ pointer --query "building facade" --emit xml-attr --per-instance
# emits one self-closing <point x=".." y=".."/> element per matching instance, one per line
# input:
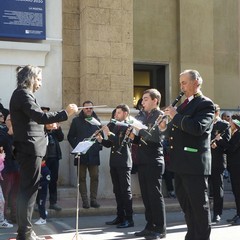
<point x="109" y="51"/>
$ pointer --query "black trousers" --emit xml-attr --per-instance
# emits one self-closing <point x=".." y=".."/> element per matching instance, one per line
<point x="53" y="166"/>
<point x="216" y="183"/>
<point x="30" y="168"/>
<point x="150" y="180"/>
<point x="235" y="182"/>
<point x="192" y="193"/>
<point x="121" y="179"/>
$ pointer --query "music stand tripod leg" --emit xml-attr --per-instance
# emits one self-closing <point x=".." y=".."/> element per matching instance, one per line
<point x="78" y="195"/>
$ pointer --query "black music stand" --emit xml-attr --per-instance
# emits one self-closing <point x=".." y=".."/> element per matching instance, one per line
<point x="79" y="150"/>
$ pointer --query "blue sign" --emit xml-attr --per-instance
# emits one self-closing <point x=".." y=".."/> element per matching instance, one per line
<point x="23" y="19"/>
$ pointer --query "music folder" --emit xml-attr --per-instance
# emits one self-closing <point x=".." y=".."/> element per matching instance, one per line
<point x="82" y="147"/>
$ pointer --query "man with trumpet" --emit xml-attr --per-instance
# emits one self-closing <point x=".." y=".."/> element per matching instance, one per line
<point x="151" y="166"/>
<point x="120" y="166"/>
<point x="189" y="134"/>
<point x="79" y="130"/>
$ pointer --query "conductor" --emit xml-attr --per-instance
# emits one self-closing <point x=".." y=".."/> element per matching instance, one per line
<point x="30" y="142"/>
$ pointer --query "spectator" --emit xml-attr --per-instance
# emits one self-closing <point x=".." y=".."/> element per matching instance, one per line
<point x="79" y="130"/>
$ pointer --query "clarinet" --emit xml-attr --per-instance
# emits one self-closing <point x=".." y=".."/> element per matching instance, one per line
<point x="221" y="134"/>
<point x="126" y="140"/>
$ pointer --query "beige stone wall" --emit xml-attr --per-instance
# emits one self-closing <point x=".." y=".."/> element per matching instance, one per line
<point x="196" y="40"/>
<point x="106" y="51"/>
<point x="226" y="53"/>
<point x="71" y="52"/>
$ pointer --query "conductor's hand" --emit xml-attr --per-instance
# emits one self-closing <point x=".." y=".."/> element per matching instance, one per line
<point x="71" y="109"/>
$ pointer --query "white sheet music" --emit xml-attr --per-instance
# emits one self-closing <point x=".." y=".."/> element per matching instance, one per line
<point x="82" y="147"/>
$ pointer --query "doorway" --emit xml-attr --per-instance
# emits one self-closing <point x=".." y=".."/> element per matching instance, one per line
<point x="149" y="76"/>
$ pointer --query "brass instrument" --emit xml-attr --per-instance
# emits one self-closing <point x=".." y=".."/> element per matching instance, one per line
<point x="161" y="118"/>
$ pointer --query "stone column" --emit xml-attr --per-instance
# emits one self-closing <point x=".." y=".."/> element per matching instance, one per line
<point x="106" y="51"/>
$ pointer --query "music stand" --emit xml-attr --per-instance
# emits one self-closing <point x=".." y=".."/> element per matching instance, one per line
<point x="79" y="150"/>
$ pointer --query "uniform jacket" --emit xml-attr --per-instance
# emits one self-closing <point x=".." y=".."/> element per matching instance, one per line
<point x="119" y="156"/>
<point x="28" y="122"/>
<point x="150" y="153"/>
<point x="233" y="150"/>
<point x="189" y="137"/>
<point x="220" y="126"/>
<point x="79" y="130"/>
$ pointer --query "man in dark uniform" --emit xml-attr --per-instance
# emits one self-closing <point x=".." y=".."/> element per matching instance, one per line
<point x="120" y="167"/>
<point x="190" y="154"/>
<point x="151" y="167"/>
<point x="218" y="163"/>
<point x="30" y="142"/>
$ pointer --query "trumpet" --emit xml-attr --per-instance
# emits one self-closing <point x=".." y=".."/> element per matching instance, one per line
<point x="161" y="118"/>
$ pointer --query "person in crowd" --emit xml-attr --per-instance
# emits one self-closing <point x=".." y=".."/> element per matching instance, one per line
<point x="52" y="157"/>
<point x="79" y="130"/>
<point x="226" y="116"/>
<point x="218" y="163"/>
<point x="189" y="134"/>
<point x="233" y="162"/>
<point x="30" y="142"/>
<point x="4" y="111"/>
<point x="10" y="172"/>
<point x="151" y="167"/>
<point x="120" y="167"/>
<point x="168" y="175"/>
<point x="42" y="193"/>
<point x="3" y="222"/>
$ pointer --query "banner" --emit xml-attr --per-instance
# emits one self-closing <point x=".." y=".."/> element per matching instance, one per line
<point x="23" y="19"/>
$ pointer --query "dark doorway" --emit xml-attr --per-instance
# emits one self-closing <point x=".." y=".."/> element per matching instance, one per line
<point x="149" y="76"/>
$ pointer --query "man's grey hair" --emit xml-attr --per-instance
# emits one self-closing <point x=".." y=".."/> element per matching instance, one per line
<point x="194" y="75"/>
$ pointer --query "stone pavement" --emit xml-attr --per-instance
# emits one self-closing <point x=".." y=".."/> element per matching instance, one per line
<point x="67" y="201"/>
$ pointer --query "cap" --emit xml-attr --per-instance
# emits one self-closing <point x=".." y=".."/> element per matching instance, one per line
<point x="236" y="122"/>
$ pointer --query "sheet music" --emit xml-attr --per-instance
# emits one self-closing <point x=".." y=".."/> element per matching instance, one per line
<point x="82" y="147"/>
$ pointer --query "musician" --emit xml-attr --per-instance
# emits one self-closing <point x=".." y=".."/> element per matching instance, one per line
<point x="30" y="142"/>
<point x="190" y="154"/>
<point x="151" y="167"/>
<point x="120" y="167"/>
<point x="218" y="163"/>
<point x="233" y="162"/>
<point x="79" y="130"/>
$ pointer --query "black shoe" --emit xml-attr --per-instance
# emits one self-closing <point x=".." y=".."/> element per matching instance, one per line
<point x="216" y="218"/>
<point x="55" y="207"/>
<point x="116" y="221"/>
<point x="237" y="221"/>
<point x="85" y="204"/>
<point x="126" y="224"/>
<point x="233" y="219"/>
<point x="94" y="204"/>
<point x="143" y="233"/>
<point x="156" y="236"/>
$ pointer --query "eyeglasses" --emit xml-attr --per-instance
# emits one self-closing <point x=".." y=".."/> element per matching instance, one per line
<point x="88" y="108"/>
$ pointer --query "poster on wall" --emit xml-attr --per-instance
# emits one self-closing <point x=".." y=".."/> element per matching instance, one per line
<point x="23" y="19"/>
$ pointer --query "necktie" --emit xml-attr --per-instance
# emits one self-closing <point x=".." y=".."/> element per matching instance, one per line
<point x="184" y="104"/>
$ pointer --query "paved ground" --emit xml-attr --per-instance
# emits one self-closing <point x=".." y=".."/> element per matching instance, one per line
<point x="93" y="227"/>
